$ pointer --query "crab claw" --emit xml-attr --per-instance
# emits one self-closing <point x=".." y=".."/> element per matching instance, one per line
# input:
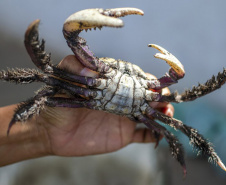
<point x="170" y="59"/>
<point x="88" y="19"/>
<point x="92" y="18"/>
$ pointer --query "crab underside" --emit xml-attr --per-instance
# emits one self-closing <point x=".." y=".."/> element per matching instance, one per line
<point x="121" y="88"/>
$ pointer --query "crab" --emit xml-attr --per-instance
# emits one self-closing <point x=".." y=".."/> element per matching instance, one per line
<point x="121" y="88"/>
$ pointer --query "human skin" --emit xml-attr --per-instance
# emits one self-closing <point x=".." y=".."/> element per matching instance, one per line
<point x="69" y="131"/>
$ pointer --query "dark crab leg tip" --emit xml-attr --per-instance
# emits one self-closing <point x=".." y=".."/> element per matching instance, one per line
<point x="149" y="45"/>
<point x="12" y="122"/>
<point x="92" y="18"/>
<point x="156" y="144"/>
<point x="157" y="139"/>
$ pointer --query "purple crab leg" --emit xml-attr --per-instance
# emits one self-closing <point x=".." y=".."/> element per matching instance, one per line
<point x="71" y="88"/>
<point x="87" y="19"/>
<point x="70" y="102"/>
<point x="176" y="148"/>
<point x="196" y="139"/>
<point x="31" y="75"/>
<point x="76" y="78"/>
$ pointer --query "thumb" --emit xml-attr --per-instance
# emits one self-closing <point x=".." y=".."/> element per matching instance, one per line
<point x="71" y="64"/>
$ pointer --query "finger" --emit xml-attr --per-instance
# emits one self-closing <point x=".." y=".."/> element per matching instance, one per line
<point x="144" y="135"/>
<point x="72" y="65"/>
<point x="166" y="109"/>
<point x="163" y="107"/>
<point x="164" y="91"/>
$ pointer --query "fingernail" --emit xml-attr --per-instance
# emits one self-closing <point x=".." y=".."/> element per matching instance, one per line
<point x="87" y="72"/>
<point x="169" y="112"/>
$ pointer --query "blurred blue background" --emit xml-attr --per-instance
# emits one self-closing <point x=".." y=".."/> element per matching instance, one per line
<point x="194" y="31"/>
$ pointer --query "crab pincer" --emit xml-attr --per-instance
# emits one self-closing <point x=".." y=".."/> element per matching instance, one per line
<point x="92" y="18"/>
<point x="86" y="20"/>
<point x="176" y="71"/>
<point x="173" y="62"/>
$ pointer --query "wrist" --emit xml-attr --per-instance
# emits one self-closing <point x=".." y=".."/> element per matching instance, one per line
<point x="25" y="140"/>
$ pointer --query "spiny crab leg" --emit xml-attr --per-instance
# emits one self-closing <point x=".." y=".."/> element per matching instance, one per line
<point x="198" y="91"/>
<point x="176" y="71"/>
<point x="92" y="18"/>
<point x="35" y="49"/>
<point x="196" y="139"/>
<point x="176" y="148"/>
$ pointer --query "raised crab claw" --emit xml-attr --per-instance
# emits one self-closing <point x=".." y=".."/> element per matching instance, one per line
<point x="122" y="88"/>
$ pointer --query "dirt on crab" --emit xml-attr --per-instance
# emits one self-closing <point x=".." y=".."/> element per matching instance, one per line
<point x="121" y="88"/>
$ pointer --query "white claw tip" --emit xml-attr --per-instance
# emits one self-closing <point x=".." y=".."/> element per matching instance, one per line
<point x="221" y="164"/>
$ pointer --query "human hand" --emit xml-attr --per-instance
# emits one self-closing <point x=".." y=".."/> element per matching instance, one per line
<point x="81" y="131"/>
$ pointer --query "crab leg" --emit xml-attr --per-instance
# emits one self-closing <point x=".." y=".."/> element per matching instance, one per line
<point x="70" y="102"/>
<point x="92" y="18"/>
<point x="196" y="139"/>
<point x="176" y="71"/>
<point x="24" y="76"/>
<point x="71" y="88"/>
<point x="35" y="49"/>
<point x="198" y="91"/>
<point x="33" y="106"/>
<point x="28" y="76"/>
<point x="37" y="52"/>
<point x="176" y="148"/>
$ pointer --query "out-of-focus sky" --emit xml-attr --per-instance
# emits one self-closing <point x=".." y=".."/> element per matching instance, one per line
<point x="194" y="31"/>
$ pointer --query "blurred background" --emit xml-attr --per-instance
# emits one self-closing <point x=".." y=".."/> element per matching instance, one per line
<point x="194" y="31"/>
